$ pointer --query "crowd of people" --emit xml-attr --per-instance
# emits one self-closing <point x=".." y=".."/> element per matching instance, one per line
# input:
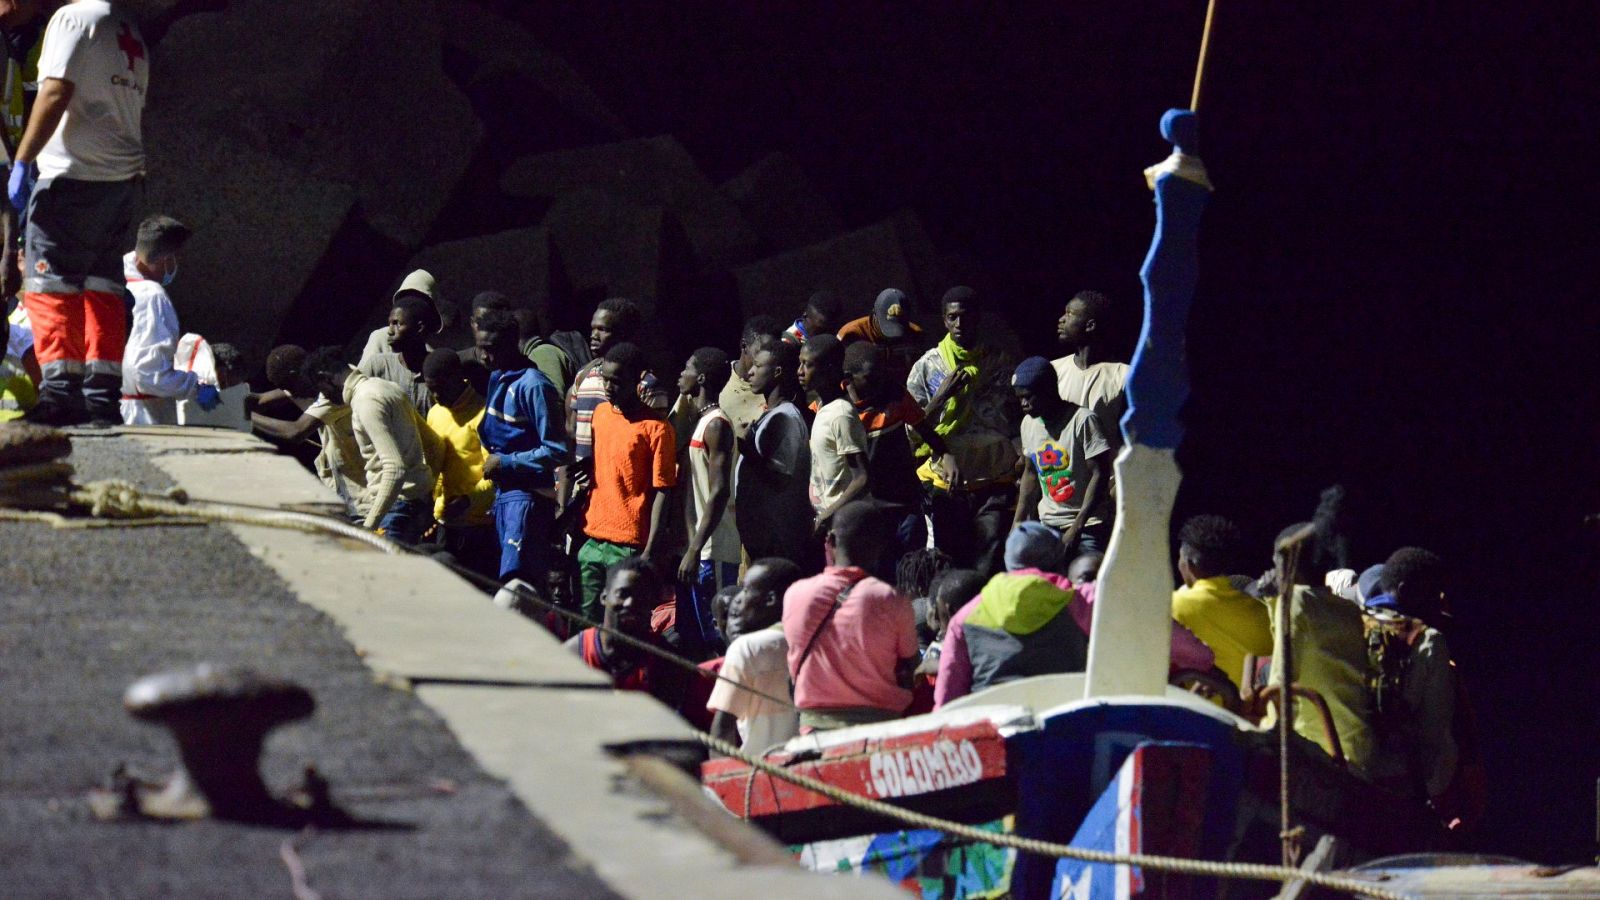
<point x="841" y="523"/>
<point x="845" y="519"/>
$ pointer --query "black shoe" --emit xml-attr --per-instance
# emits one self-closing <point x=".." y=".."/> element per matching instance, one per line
<point x="100" y="422"/>
<point x="56" y="416"/>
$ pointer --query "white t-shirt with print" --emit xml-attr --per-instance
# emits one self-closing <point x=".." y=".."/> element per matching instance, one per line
<point x="102" y="54"/>
<point x="1060" y="451"/>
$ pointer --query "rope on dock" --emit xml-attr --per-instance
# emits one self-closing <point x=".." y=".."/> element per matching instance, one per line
<point x="121" y="499"/>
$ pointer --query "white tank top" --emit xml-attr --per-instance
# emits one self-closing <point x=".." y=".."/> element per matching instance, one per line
<point x="723" y="545"/>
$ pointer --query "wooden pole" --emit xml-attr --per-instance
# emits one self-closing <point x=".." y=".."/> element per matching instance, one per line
<point x="1200" y="66"/>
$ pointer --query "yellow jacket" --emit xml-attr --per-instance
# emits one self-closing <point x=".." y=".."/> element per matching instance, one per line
<point x="460" y="472"/>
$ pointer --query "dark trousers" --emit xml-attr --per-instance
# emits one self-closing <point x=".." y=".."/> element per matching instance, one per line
<point x="407" y="519"/>
<point x="477" y="547"/>
<point x="971" y="526"/>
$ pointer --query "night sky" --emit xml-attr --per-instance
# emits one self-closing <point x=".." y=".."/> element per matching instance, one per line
<point x="1396" y="294"/>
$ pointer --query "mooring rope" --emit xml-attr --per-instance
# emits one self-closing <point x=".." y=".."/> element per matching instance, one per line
<point x="121" y="499"/>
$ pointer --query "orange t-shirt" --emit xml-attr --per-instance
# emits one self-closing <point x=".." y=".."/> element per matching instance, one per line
<point x="630" y="457"/>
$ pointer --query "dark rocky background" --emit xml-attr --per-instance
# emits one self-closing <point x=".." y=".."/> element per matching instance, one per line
<point x="1397" y="279"/>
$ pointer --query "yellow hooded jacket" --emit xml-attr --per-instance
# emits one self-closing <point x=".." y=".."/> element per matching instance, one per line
<point x="460" y="472"/>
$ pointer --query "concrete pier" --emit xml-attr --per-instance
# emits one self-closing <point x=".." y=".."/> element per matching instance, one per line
<point x="473" y="745"/>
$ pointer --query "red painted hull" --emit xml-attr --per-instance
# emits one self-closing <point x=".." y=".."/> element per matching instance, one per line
<point x="956" y="771"/>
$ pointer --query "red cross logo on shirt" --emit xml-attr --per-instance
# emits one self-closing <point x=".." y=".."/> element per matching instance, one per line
<point x="131" y="47"/>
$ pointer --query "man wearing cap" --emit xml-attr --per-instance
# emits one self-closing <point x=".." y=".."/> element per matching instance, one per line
<point x="1067" y="461"/>
<point x="419" y="284"/>
<point x="889" y="327"/>
<point x="410" y="322"/>
<point x="1014" y="628"/>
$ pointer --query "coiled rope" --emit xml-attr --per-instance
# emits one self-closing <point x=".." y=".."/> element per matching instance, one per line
<point x="114" y="499"/>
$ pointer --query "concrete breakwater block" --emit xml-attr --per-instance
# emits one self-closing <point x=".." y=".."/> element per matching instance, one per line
<point x="350" y="92"/>
<point x="783" y="207"/>
<point x="261" y="226"/>
<point x="647" y="172"/>
<point x="497" y="44"/>
<point x="855" y="266"/>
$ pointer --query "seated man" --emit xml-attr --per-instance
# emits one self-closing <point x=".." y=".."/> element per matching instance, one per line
<point x="1232" y="623"/>
<point x="852" y="639"/>
<point x="1426" y="740"/>
<point x="757" y="657"/>
<point x="1035" y="550"/>
<point x="632" y="592"/>
<point x="1018" y="625"/>
<point x="1086" y="567"/>
<point x="462" y="495"/>
<point x="951" y="590"/>
<point x="1330" y="654"/>
<point x="338" y="461"/>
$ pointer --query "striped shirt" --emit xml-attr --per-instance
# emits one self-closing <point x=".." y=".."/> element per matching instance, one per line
<point x="588" y="392"/>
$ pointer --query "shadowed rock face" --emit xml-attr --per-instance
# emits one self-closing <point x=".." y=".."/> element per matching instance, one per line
<point x="269" y="122"/>
<point x="321" y="151"/>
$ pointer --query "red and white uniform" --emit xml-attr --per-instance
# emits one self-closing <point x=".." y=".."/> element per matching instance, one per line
<point x="80" y="215"/>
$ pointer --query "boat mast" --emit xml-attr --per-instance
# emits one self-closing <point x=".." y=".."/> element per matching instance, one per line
<point x="1130" y="641"/>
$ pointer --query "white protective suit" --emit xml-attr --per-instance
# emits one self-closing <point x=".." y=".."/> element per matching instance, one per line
<point x="151" y="384"/>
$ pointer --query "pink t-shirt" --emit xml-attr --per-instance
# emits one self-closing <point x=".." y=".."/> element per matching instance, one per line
<point x="852" y="662"/>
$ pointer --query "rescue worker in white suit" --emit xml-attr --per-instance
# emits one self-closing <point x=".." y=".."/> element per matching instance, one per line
<point x="151" y="384"/>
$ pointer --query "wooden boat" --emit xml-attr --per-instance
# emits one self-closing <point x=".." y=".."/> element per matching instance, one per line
<point x="1038" y="768"/>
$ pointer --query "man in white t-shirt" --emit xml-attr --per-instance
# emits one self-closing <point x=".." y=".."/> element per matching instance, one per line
<point x="838" y="438"/>
<point x="76" y="174"/>
<point x="1087" y="375"/>
<point x="757" y="658"/>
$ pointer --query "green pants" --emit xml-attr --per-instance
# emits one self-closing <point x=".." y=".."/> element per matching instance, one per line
<point x="594" y="558"/>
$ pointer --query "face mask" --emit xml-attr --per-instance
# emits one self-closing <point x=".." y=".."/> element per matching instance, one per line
<point x="167" y="278"/>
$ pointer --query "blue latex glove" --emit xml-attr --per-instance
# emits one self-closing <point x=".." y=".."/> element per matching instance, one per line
<point x="20" y="185"/>
<point x="208" y="397"/>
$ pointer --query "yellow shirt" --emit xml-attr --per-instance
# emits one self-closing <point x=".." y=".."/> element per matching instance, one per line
<point x="1229" y="621"/>
<point x="461" y="469"/>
